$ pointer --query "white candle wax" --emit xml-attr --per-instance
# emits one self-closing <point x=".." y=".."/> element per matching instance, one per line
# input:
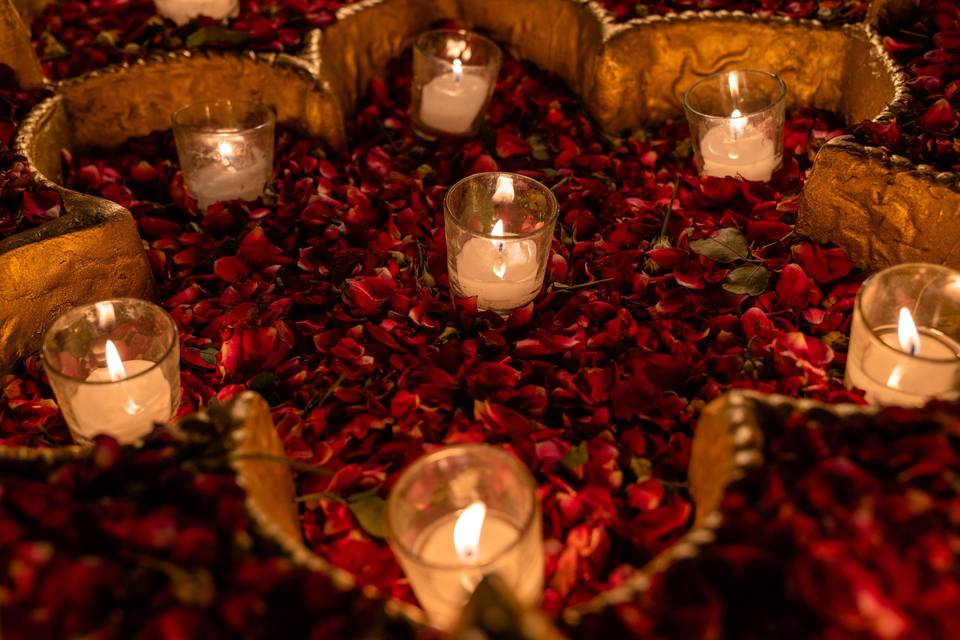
<point x="451" y="102"/>
<point x="477" y="272"/>
<point x="218" y="182"/>
<point x="443" y="594"/>
<point x="182" y="11"/>
<point x="125" y="409"/>
<point x="730" y="150"/>
<point x="893" y="376"/>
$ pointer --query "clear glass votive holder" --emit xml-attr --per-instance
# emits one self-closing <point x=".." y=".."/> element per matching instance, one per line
<point x="461" y="513"/>
<point x="182" y="11"/>
<point x="454" y="74"/>
<point x="905" y="340"/>
<point x="499" y="228"/>
<point x="225" y="149"/>
<point x="736" y="123"/>
<point x="114" y="367"/>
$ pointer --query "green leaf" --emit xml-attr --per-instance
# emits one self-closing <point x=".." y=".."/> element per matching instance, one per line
<point x="642" y="468"/>
<point x="209" y="355"/>
<point x="370" y="511"/>
<point x="576" y="457"/>
<point x="262" y="382"/>
<point x="52" y="49"/>
<point x="728" y="245"/>
<point x="568" y="237"/>
<point x="217" y="36"/>
<point x="750" y="279"/>
<point x="540" y="149"/>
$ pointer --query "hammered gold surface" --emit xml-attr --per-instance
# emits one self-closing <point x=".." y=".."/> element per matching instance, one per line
<point x="644" y="72"/>
<point x="881" y="214"/>
<point x="711" y="459"/>
<point x="867" y="87"/>
<point x="15" y="49"/>
<point x="104" y="109"/>
<point x="261" y="465"/>
<point x="92" y="253"/>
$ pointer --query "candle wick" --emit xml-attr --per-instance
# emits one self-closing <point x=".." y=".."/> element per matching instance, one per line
<point x="913" y="349"/>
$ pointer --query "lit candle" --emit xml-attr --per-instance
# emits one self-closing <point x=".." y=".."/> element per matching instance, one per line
<point x="225" y="181"/>
<point x="469" y="539"/>
<point x="182" y="11"/>
<point x="502" y="274"/>
<point x="114" y="367"/>
<point x="737" y="147"/>
<point x="225" y="149"/>
<point x="452" y="101"/>
<point x="454" y="72"/>
<point x="462" y="513"/>
<point x="907" y="367"/>
<point x="503" y="268"/>
<point x="737" y="128"/>
<point x="122" y="400"/>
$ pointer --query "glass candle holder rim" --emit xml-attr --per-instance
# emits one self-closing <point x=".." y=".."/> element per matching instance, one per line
<point x="858" y="306"/>
<point x="781" y="96"/>
<point x="269" y="119"/>
<point x="495" y="50"/>
<point x="74" y="313"/>
<point x="454" y="450"/>
<point x="452" y="216"/>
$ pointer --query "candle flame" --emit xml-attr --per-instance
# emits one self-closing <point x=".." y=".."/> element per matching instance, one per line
<point x="466" y="532"/>
<point x="105" y="315"/>
<point x="907" y="332"/>
<point x="114" y="363"/>
<point x="504" y="193"/>
<point x="733" y="83"/>
<point x="457" y="70"/>
<point x="225" y="149"/>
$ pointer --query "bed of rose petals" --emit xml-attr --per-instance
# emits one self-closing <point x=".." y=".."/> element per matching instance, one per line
<point x="331" y="299"/>
<point x="831" y="11"/>
<point x="154" y="543"/>
<point x="850" y="530"/>
<point x="929" y="51"/>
